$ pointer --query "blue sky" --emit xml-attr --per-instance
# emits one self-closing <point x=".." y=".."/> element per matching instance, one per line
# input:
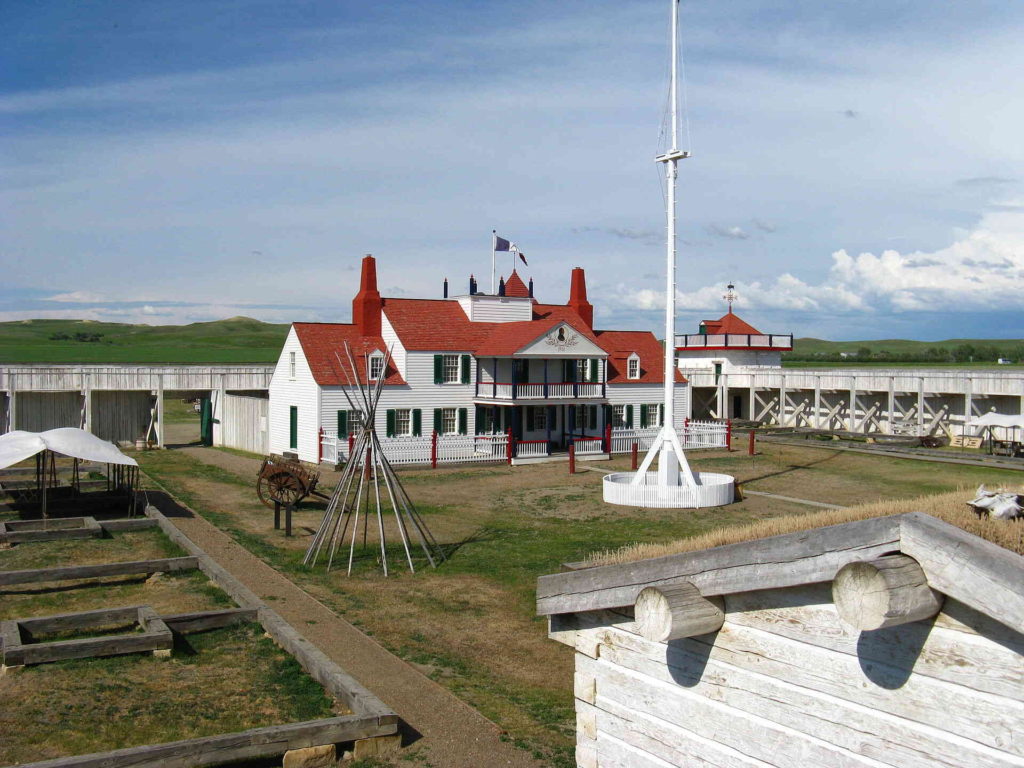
<point x="857" y="171"/>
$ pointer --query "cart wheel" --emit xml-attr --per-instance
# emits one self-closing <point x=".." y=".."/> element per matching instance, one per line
<point x="281" y="486"/>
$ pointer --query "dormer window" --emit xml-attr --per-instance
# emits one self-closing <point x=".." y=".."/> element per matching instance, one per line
<point x="633" y="366"/>
<point x="376" y="366"/>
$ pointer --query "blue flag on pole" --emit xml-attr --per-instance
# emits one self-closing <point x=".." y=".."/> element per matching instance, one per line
<point x="501" y="244"/>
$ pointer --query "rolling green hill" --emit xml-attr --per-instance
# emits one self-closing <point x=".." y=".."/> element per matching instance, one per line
<point x="236" y="340"/>
<point x="897" y="351"/>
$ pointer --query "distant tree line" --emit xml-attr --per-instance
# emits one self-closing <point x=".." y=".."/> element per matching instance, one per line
<point x="962" y="353"/>
<point x="79" y="336"/>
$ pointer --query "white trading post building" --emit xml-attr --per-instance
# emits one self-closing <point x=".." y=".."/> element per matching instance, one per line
<point x="475" y="365"/>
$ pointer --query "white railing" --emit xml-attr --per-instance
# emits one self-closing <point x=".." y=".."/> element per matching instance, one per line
<point x="451" y="449"/>
<point x="529" y="449"/>
<point x="696" y="435"/>
<point x="559" y="390"/>
<point x="725" y="340"/>
<point x="588" y="390"/>
<point x="529" y="391"/>
<point x="586" y="446"/>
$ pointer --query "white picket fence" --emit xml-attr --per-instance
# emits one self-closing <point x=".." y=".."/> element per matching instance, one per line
<point x="696" y="435"/>
<point x="416" y="450"/>
<point x="452" y="449"/>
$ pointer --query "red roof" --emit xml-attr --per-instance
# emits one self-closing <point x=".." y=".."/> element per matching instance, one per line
<point x="508" y="338"/>
<point x="323" y="343"/>
<point x="515" y="286"/>
<point x="729" y="323"/>
<point x="434" y="325"/>
<point x="621" y="344"/>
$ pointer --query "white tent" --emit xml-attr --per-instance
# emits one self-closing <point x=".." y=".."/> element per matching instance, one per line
<point x="993" y="419"/>
<point x="77" y="443"/>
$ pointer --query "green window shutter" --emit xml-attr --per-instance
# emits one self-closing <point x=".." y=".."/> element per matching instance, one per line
<point x="607" y="413"/>
<point x="391" y="428"/>
<point x="593" y="370"/>
<point x="661" y="415"/>
<point x="465" y="369"/>
<point x="293" y="426"/>
<point x="439" y="369"/>
<point x="463" y="420"/>
<point x="643" y="415"/>
<point x="417" y="422"/>
<point x="593" y="417"/>
<point x="437" y="421"/>
<point x="342" y="423"/>
<point x="629" y="416"/>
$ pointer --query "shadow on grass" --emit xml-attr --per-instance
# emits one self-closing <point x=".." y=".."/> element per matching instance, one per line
<point x="792" y="468"/>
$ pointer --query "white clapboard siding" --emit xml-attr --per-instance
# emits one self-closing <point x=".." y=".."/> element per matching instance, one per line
<point x="301" y="391"/>
<point x="39" y="411"/>
<point x="392" y="342"/>
<point x="635" y="394"/>
<point x="245" y="423"/>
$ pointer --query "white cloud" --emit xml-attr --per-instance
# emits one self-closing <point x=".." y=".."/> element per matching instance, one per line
<point x="983" y="268"/>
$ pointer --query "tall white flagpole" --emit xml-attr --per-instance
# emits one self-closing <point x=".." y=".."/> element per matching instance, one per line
<point x="494" y="255"/>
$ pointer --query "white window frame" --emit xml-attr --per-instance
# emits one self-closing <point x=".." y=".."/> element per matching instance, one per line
<point x="291" y="364"/>
<point x="450" y="368"/>
<point x="539" y="418"/>
<point x="582" y="370"/>
<point x="653" y="412"/>
<point x="403" y="422"/>
<point x="376" y="366"/>
<point x="633" y="366"/>
<point x="449" y="421"/>
<point x="618" y="417"/>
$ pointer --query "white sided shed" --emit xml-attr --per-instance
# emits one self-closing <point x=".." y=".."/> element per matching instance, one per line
<point x="750" y="654"/>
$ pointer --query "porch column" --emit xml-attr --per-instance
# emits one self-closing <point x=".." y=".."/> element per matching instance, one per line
<point x="159" y="411"/>
<point x="751" y="400"/>
<point x="817" y="402"/>
<point x="723" y="398"/>
<point x="87" y="401"/>
<point x="969" y="403"/>
<point x="851" y="423"/>
<point x="12" y="408"/>
<point x="782" y="399"/>
<point x="920" y="404"/>
<point x="892" y="406"/>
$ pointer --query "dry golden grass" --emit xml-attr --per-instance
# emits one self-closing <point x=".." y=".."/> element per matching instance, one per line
<point x="950" y="507"/>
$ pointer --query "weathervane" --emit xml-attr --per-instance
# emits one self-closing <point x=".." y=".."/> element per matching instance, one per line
<point x="730" y="295"/>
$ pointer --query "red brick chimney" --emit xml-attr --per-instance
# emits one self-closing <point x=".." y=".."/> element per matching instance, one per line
<point x="578" y="297"/>
<point x="366" y="306"/>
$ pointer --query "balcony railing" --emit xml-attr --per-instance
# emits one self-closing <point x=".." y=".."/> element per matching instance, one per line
<point x="554" y="390"/>
<point x="729" y="340"/>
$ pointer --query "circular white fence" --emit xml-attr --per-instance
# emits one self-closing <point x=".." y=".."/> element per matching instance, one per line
<point x="712" y="490"/>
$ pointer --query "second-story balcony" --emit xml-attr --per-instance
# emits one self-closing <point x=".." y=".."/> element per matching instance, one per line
<point x="507" y="391"/>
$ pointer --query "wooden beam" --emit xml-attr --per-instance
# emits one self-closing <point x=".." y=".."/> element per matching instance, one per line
<point x="779" y="561"/>
<point x="217" y="750"/>
<point x="203" y="620"/>
<point x="35" y="575"/>
<point x="976" y="572"/>
<point x="674" y="611"/>
<point x="885" y="592"/>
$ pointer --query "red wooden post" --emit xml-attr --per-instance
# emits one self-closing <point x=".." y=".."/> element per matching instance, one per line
<point x="351" y="445"/>
<point x="635" y="451"/>
<point x="572" y="458"/>
<point x="608" y="438"/>
<point x="509" y="449"/>
<point x="728" y="434"/>
<point x="320" y="445"/>
<point x="750" y="444"/>
<point x="433" y="449"/>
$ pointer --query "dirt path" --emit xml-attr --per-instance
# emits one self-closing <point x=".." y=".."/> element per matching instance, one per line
<point x="443" y="730"/>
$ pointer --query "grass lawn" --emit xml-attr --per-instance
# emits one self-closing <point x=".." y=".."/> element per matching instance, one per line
<point x="470" y="624"/>
<point x="221" y="681"/>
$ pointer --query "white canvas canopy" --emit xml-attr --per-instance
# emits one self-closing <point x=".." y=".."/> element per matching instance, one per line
<point x="77" y="443"/>
<point x="999" y="420"/>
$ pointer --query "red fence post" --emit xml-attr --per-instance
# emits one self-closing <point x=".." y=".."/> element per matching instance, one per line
<point x="508" y="446"/>
<point x="728" y="434"/>
<point x="608" y="438"/>
<point x="433" y="449"/>
<point x="351" y="445"/>
<point x="320" y="445"/>
<point x="572" y="458"/>
<point x="635" y="450"/>
<point x="750" y="444"/>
